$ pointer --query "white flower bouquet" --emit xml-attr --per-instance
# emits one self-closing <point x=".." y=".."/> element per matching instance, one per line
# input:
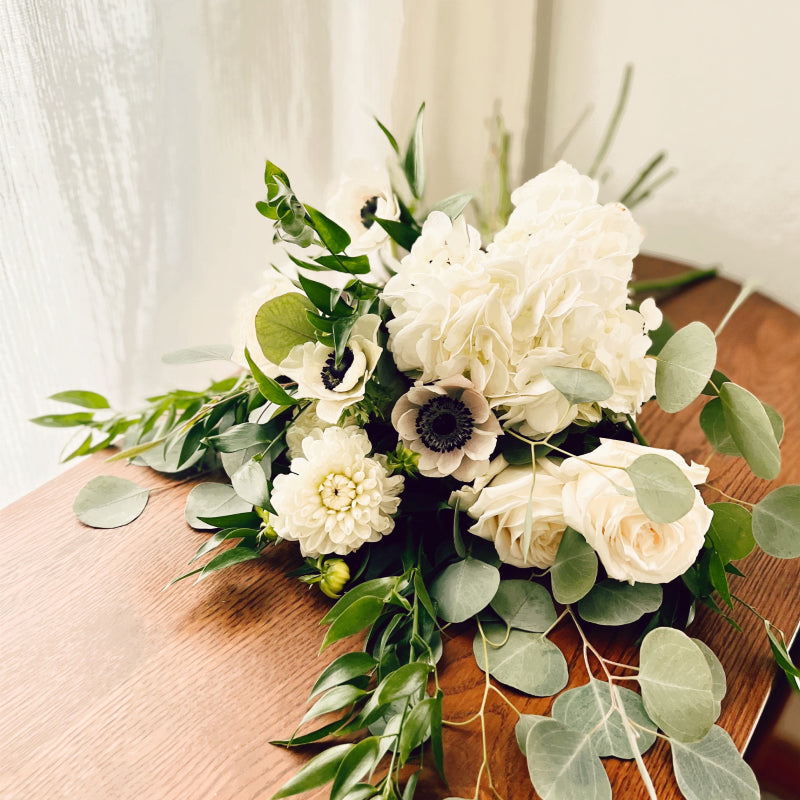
<point x="446" y="426"/>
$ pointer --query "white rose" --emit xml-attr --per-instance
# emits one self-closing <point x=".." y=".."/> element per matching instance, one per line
<point x="313" y="367"/>
<point x="244" y="328"/>
<point x="630" y="545"/>
<point x="502" y="507"/>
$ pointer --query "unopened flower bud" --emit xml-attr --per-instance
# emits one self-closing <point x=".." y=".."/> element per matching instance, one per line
<point x="335" y="574"/>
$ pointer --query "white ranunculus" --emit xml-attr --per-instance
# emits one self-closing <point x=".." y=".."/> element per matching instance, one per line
<point x="630" y="545"/>
<point x="337" y="497"/>
<point x="244" y="329"/>
<point x="312" y="366"/>
<point x="365" y="190"/>
<point x="502" y="507"/>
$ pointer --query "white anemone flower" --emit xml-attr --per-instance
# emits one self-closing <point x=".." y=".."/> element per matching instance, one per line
<point x="364" y="192"/>
<point x="313" y="367"/>
<point x="450" y="425"/>
<point x="337" y="497"/>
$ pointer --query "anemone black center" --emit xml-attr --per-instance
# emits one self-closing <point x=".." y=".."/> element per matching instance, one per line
<point x="444" y="424"/>
<point x="368" y="212"/>
<point x="332" y="374"/>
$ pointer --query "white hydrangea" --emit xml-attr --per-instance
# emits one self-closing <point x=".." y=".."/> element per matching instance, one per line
<point x="551" y="290"/>
<point x="336" y="497"/>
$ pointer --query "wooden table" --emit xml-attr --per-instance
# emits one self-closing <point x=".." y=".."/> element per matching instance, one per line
<point x="114" y="689"/>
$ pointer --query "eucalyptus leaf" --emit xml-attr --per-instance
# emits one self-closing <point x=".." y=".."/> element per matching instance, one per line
<point x="231" y="462"/>
<point x="776" y="522"/>
<point x="527" y="661"/>
<point x="575" y="568"/>
<point x="84" y="399"/>
<point x="579" y="385"/>
<point x="524" y="605"/>
<point x="454" y="205"/>
<point x="170" y="458"/>
<point x="241" y="437"/>
<point x="684" y="365"/>
<point x="663" y="491"/>
<point x="719" y="683"/>
<point x="563" y="764"/>
<point x="731" y="531"/>
<point x="751" y="429"/>
<point x="281" y="323"/>
<point x="197" y="355"/>
<point x="464" y="589"/>
<point x="715" y="427"/>
<point x="250" y="483"/>
<point x="588" y="709"/>
<point x="713" y="767"/>
<point x="613" y="602"/>
<point x="523" y="726"/>
<point x="677" y="686"/>
<point x="109" y="502"/>
<point x="320" y="770"/>
<point x="213" y="500"/>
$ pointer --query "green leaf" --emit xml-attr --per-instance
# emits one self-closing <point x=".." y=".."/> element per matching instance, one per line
<point x="213" y="500"/>
<point x="109" y="502"/>
<point x="378" y="587"/>
<point x="219" y="537"/>
<point x="663" y="491"/>
<point x="191" y="444"/>
<point x="780" y="652"/>
<point x="436" y="734"/>
<point x="563" y="764"/>
<point x="684" y="365"/>
<point x="352" y="265"/>
<point x="676" y="684"/>
<point x="411" y="785"/>
<point x="718" y="577"/>
<point x="527" y="661"/>
<point x="312" y="736"/>
<point x="197" y="355"/>
<point x="587" y="709"/>
<point x="63" y="420"/>
<point x="751" y="430"/>
<point x="245" y="519"/>
<point x="240" y="437"/>
<point x="335" y="699"/>
<point x="361" y="614"/>
<point x="407" y="681"/>
<point x="713" y="767"/>
<point x="731" y="531"/>
<point x="579" y="385"/>
<point x="236" y="555"/>
<point x="355" y="765"/>
<point x="715" y="427"/>
<point x="414" y="163"/>
<point x="343" y="669"/>
<point x="454" y="205"/>
<point x="388" y="135"/>
<point x="416" y="728"/>
<point x="281" y="324"/>
<point x="523" y="727"/>
<point x="776" y="522"/>
<point x="167" y="458"/>
<point x="333" y="236"/>
<point x="616" y="603"/>
<point x="81" y="398"/>
<point x="719" y="684"/>
<point x="319" y="771"/>
<point x="575" y="569"/>
<point x="399" y="232"/>
<point x="524" y="605"/>
<point x="422" y="595"/>
<point x="714" y="382"/>
<point x="465" y="588"/>
<point x="250" y="483"/>
<point x="269" y="388"/>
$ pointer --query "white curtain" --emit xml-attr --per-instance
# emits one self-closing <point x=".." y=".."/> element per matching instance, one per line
<point x="133" y="135"/>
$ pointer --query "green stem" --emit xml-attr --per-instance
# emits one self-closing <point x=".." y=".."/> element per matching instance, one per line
<point x="675" y="281"/>
<point x="636" y="432"/>
<point x="613" y="125"/>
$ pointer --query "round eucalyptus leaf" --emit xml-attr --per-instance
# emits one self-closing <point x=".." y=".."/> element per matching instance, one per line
<point x="776" y="522"/>
<point x="579" y="385"/>
<point x="213" y="500"/>
<point x="523" y="726"/>
<point x="109" y="502"/>
<point x="676" y="684"/>
<point x="563" y="764"/>
<point x="751" y="429"/>
<point x="713" y="767"/>
<point x="575" y="568"/>
<point x="663" y="492"/>
<point x="617" y="603"/>
<point x="731" y="531"/>
<point x="527" y="661"/>
<point x="250" y="483"/>
<point x="282" y="323"/>
<point x="233" y="461"/>
<point x="524" y="605"/>
<point x="684" y="365"/>
<point x="464" y="589"/>
<point x="587" y="709"/>
<point x="715" y="427"/>
<point x="719" y="683"/>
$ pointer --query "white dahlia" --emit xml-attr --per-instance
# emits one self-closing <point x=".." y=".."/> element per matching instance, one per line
<point x="336" y="497"/>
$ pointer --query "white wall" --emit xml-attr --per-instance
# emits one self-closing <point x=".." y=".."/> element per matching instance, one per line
<point x="716" y="85"/>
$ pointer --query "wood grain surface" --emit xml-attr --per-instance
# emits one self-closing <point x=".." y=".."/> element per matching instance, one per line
<point x="115" y="689"/>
